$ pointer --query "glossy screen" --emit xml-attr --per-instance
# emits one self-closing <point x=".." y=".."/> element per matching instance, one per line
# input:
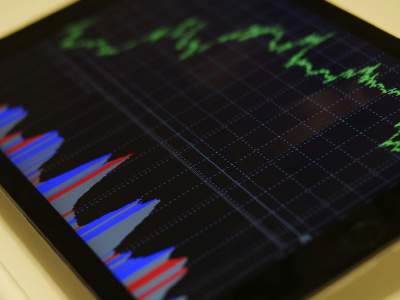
<point x="191" y="143"/>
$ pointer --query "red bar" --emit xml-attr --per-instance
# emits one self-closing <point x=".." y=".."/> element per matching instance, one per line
<point x="87" y="178"/>
<point x="78" y="228"/>
<point x="112" y="257"/>
<point x="23" y="144"/>
<point x="68" y="213"/>
<point x="153" y="274"/>
<point x="163" y="283"/>
<point x="9" y="137"/>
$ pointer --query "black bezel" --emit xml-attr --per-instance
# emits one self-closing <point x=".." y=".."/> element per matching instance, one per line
<point x="350" y="241"/>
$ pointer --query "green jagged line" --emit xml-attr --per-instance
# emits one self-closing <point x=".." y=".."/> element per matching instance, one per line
<point x="391" y="142"/>
<point x="189" y="44"/>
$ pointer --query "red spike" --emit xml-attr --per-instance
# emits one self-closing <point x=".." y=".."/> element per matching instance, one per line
<point x="23" y="144"/>
<point x="112" y="257"/>
<point x="68" y="213"/>
<point x="154" y="273"/>
<point x="87" y="178"/>
<point x="163" y="283"/>
<point x="10" y="137"/>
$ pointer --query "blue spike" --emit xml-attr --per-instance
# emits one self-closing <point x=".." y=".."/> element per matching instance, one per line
<point x="119" y="258"/>
<point x="35" y="151"/>
<point x="11" y="115"/>
<point x="52" y="183"/>
<point x="132" y="265"/>
<point x="38" y="162"/>
<point x="9" y="111"/>
<point x="33" y="144"/>
<point x="115" y="221"/>
<point x="17" y="141"/>
<point x="31" y="173"/>
<point x="104" y="218"/>
<point x="72" y="221"/>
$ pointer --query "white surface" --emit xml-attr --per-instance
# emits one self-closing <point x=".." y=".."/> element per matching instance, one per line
<point x="33" y="264"/>
<point x="9" y="288"/>
<point x="16" y="14"/>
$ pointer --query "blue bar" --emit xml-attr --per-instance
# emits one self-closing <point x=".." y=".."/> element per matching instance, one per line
<point x="17" y="141"/>
<point x="132" y="265"/>
<point x="50" y="135"/>
<point x="38" y="157"/>
<point x="52" y="183"/>
<point x="31" y="173"/>
<point x="108" y="255"/>
<point x="115" y="221"/>
<point x="72" y="221"/>
<point x="102" y="219"/>
<point x="38" y="162"/>
<point x="9" y="111"/>
<point x="119" y="258"/>
<point x="35" y="151"/>
<point x="12" y="115"/>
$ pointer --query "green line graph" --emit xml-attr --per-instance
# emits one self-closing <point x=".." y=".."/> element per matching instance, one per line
<point x="188" y="44"/>
<point x="391" y="142"/>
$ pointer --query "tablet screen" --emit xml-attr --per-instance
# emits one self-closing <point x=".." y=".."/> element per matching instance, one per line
<point x="191" y="143"/>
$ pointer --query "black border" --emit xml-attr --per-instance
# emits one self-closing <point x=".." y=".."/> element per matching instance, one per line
<point x="379" y="221"/>
<point x="59" y="235"/>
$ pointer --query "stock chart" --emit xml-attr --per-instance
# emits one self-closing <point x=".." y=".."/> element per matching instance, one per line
<point x="191" y="143"/>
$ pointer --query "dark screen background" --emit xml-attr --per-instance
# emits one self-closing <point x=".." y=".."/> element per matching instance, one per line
<point x="249" y="159"/>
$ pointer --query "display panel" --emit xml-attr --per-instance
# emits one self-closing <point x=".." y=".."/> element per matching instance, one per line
<point x="190" y="142"/>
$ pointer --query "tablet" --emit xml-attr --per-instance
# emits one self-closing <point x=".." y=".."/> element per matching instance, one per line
<point x="202" y="149"/>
